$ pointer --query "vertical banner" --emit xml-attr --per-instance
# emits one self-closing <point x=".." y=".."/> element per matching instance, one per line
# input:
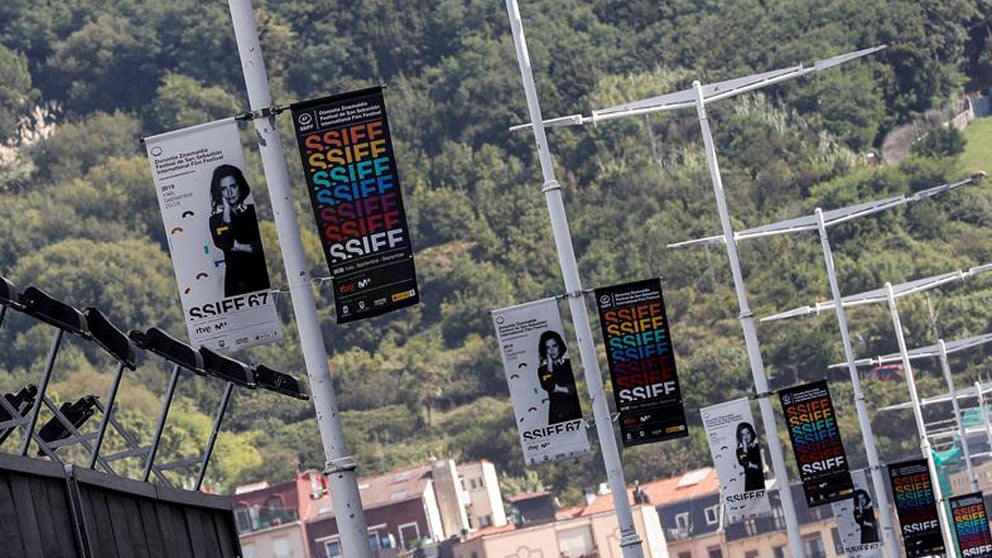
<point x="542" y="384"/>
<point x="917" y="508"/>
<point x="857" y="521"/>
<point x="736" y="454"/>
<point x="350" y="169"/>
<point x="816" y="442"/>
<point x="642" y="364"/>
<point x="971" y="523"/>
<point x="212" y="229"/>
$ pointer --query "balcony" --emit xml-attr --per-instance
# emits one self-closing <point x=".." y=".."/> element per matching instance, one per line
<point x="256" y="519"/>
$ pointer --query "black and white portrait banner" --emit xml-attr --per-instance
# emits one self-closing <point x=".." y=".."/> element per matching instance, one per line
<point x="736" y="454"/>
<point x="857" y="520"/>
<point x="542" y="384"/>
<point x="212" y="229"/>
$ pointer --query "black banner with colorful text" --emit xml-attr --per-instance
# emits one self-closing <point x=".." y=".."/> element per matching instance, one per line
<point x="350" y="168"/>
<point x="971" y="524"/>
<point x="642" y="364"/>
<point x="916" y="506"/>
<point x="809" y="414"/>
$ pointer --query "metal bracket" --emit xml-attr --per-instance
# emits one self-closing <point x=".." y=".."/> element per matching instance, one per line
<point x="264" y="112"/>
<point x="340" y="465"/>
<point x="550" y="186"/>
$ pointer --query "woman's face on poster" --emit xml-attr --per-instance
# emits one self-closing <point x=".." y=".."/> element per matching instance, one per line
<point x="229" y="189"/>
<point x="746" y="436"/>
<point x="552" y="349"/>
<point x="860" y="501"/>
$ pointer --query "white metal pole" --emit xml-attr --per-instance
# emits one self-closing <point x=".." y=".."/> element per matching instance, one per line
<point x="878" y="479"/>
<point x="984" y="412"/>
<point x="921" y="429"/>
<point x="339" y="467"/>
<point x="946" y="367"/>
<point x="630" y="542"/>
<point x="751" y="337"/>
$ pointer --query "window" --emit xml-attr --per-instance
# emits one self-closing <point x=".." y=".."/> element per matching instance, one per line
<point x="409" y="532"/>
<point x="712" y="515"/>
<point x="714" y="552"/>
<point x="281" y="547"/>
<point x="682" y="521"/>
<point x="813" y="546"/>
<point x="751" y="554"/>
<point x="485" y="521"/>
<point x="685" y="554"/>
<point x="333" y="548"/>
<point x="374" y="542"/>
<point x="838" y="544"/>
<point x="243" y="518"/>
<point x="248" y="550"/>
<point x="576" y="543"/>
<point x="779" y="552"/>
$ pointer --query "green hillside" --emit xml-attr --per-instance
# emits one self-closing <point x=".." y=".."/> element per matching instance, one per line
<point x="83" y="80"/>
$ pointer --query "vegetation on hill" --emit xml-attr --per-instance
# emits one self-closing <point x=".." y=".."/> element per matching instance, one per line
<point x="78" y="215"/>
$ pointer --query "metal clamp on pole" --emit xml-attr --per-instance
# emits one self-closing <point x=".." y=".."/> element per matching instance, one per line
<point x="264" y="112"/>
<point x="550" y="186"/>
<point x="340" y="465"/>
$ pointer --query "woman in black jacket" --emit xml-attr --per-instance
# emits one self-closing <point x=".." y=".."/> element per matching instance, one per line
<point x="749" y="457"/>
<point x="555" y="373"/>
<point x="234" y="229"/>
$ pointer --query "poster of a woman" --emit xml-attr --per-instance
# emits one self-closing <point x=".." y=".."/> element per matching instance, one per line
<point x="234" y="230"/>
<point x="555" y="372"/>
<point x="749" y="457"/>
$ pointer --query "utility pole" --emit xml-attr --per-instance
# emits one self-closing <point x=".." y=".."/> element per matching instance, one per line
<point x="339" y="466"/>
<point x="630" y="543"/>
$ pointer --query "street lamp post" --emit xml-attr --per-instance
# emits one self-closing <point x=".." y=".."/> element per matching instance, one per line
<point x="697" y="97"/>
<point x="945" y="526"/>
<point x="630" y="542"/>
<point x="940" y="350"/>
<point x="819" y="221"/>
<point x="889" y="294"/>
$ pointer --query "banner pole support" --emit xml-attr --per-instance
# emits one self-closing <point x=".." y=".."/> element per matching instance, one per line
<point x="950" y="548"/>
<point x="343" y="484"/>
<point x="630" y="542"/>
<point x="891" y="545"/>
<point x="750" y="334"/>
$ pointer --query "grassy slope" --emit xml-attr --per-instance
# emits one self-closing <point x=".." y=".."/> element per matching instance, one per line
<point x="978" y="151"/>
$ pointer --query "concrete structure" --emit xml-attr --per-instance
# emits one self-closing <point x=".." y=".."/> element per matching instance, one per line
<point x="269" y="518"/>
<point x="485" y="503"/>
<point x="588" y="532"/>
<point x="405" y="509"/>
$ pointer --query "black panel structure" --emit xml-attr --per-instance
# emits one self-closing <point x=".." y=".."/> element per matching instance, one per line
<point x="51" y="511"/>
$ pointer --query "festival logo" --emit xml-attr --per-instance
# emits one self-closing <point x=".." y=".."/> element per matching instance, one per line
<point x="971" y="523"/>
<point x="350" y="167"/>
<point x="642" y="364"/>
<point x="917" y="508"/>
<point x="816" y="442"/>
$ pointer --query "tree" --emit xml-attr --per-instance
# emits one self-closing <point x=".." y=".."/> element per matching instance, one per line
<point x="940" y="141"/>
<point x="15" y="91"/>
<point x="182" y="101"/>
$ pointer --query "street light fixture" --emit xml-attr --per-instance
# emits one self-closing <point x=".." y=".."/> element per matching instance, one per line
<point x="698" y="96"/>
<point x="941" y="350"/>
<point x="889" y="294"/>
<point x="819" y="221"/>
